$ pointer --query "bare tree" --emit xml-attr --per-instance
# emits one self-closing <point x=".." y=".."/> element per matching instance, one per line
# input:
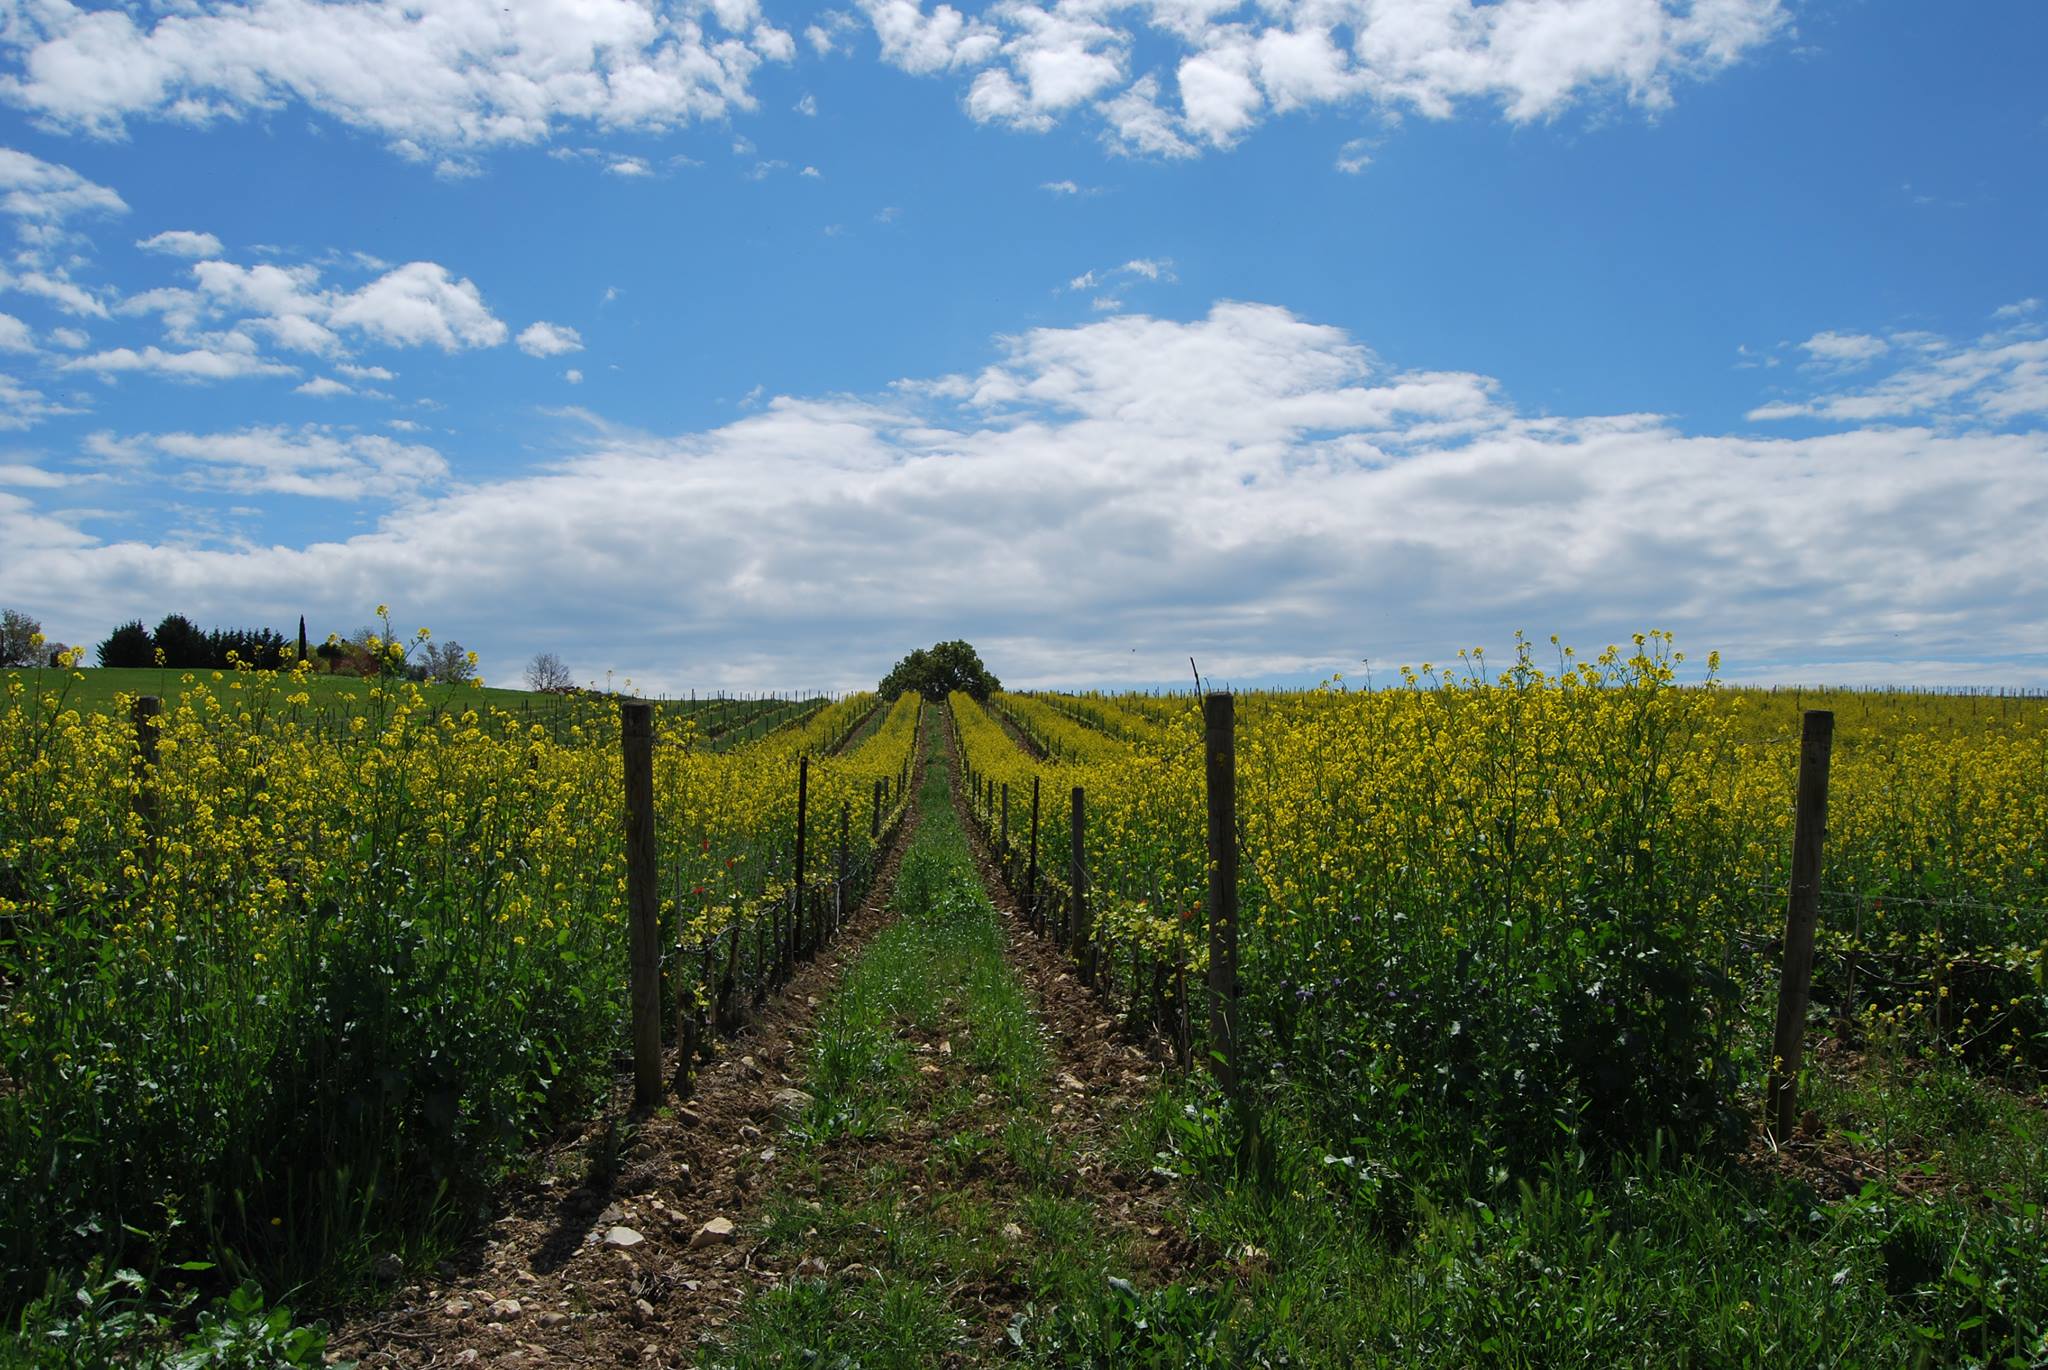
<point x="448" y="662"/>
<point x="18" y="634"/>
<point x="546" y="672"/>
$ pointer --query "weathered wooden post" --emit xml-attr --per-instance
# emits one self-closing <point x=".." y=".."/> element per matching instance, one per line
<point x="1003" y="843"/>
<point x="1031" y="881"/>
<point x="1077" y="926"/>
<point x="839" y="889"/>
<point x="147" y="716"/>
<point x="643" y="899"/>
<point x="803" y="799"/>
<point x="875" y="818"/>
<point x="1802" y="912"/>
<point x="1219" y="735"/>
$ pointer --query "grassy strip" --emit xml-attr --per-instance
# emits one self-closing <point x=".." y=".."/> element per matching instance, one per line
<point x="1634" y="1260"/>
<point x="924" y="1208"/>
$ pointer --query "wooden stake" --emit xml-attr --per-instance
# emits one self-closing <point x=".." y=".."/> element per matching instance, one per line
<point x="636" y="728"/>
<point x="1219" y="734"/>
<point x="1031" y="881"/>
<point x="1077" y="926"/>
<point x="1802" y="912"/>
<point x="803" y="800"/>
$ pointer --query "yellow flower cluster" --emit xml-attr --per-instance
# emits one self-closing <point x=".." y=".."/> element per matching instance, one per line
<point x="175" y="931"/>
<point x="1514" y="815"/>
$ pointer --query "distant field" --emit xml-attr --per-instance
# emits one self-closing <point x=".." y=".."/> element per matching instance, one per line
<point x="726" y="721"/>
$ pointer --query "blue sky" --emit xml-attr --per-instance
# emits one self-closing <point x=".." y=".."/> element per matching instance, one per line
<point x="749" y="345"/>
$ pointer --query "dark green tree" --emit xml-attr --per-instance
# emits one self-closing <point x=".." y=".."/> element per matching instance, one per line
<point x="184" y="645"/>
<point x="128" y="645"/>
<point x="938" y="671"/>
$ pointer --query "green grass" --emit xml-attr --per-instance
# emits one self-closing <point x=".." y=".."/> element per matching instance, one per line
<point x="1389" y="1254"/>
<point x="922" y="1178"/>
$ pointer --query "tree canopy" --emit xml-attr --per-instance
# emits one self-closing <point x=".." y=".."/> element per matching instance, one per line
<point x="938" y="671"/>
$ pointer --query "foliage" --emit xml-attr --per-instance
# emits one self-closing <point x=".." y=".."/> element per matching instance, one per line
<point x="939" y="671"/>
<point x="181" y="645"/>
<point x="21" y="639"/>
<point x="128" y="646"/>
<point x="1509" y="909"/>
<point x="121" y="1319"/>
<point x="315" y="1006"/>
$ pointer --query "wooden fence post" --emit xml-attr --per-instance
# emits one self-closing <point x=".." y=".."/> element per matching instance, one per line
<point x="1219" y="734"/>
<point x="1003" y="845"/>
<point x="875" y="819"/>
<point x="636" y="730"/>
<point x="1077" y="929"/>
<point x="147" y="716"/>
<point x="1031" y="881"/>
<point x="803" y="799"/>
<point x="1802" y="912"/>
<point x="839" y="890"/>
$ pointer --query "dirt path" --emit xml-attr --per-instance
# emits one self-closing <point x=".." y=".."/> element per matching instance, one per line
<point x="601" y="1258"/>
<point x="1102" y="1075"/>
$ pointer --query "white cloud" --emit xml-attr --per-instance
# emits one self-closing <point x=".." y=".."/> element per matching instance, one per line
<point x="311" y="461"/>
<point x="366" y="373"/>
<point x="453" y="74"/>
<point x="420" y="304"/>
<point x="23" y="406"/>
<point x="44" y="193"/>
<point x="1326" y="506"/>
<point x="545" y="339"/>
<point x="2019" y="309"/>
<point x="1354" y="157"/>
<point x="179" y="242"/>
<point x="812" y="172"/>
<point x="1844" y="349"/>
<point x="75" y="339"/>
<point x="1145" y="269"/>
<point x="1062" y="187"/>
<point x="20" y="474"/>
<point x="323" y="386"/>
<point x="1030" y="63"/>
<point x="15" y="336"/>
<point x="808" y="106"/>
<point x="629" y="166"/>
<point x="196" y="364"/>
<point x="573" y="376"/>
<point x="1999" y="378"/>
<point x="58" y="288"/>
<point x="830" y="33"/>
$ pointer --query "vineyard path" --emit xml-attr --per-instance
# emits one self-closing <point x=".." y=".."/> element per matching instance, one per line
<point x="731" y="1228"/>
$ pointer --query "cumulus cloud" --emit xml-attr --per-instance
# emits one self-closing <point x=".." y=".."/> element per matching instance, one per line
<point x="44" y="194"/>
<point x="2000" y="377"/>
<point x="1031" y="63"/>
<point x="1250" y="486"/>
<point x="179" y="242"/>
<point x="544" y="339"/>
<point x="452" y="75"/>
<point x="23" y="406"/>
<point x="1844" y="349"/>
<point x="56" y="286"/>
<point x="419" y="305"/>
<point x="312" y="461"/>
<point x="15" y="336"/>
<point x="195" y="364"/>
